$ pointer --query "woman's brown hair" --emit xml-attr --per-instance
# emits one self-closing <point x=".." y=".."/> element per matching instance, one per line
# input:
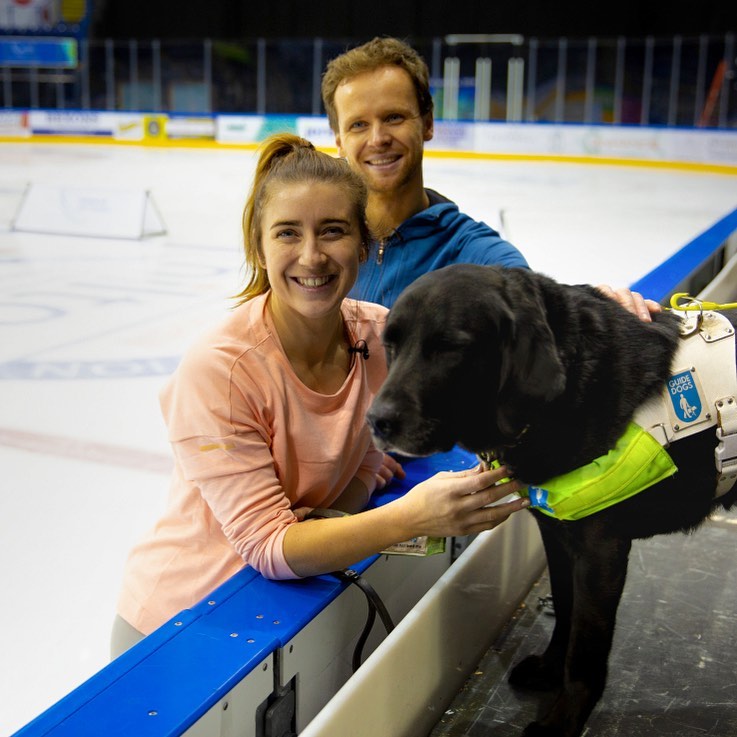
<point x="287" y="159"/>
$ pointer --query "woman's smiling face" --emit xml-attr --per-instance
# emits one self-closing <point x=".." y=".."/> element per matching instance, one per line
<point x="310" y="247"/>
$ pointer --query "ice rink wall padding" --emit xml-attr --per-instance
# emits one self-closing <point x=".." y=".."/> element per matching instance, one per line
<point x="700" y="148"/>
<point x="255" y="652"/>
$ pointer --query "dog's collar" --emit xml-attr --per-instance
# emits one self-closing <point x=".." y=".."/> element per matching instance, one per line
<point x="489" y="457"/>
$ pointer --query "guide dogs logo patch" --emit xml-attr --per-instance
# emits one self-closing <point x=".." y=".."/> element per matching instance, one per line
<point x="685" y="396"/>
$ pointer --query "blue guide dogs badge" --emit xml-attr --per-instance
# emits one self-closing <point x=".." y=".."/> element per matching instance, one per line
<point x="683" y="390"/>
<point x="539" y="498"/>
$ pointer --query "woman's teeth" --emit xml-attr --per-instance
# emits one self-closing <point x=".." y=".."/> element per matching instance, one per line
<point x="313" y="281"/>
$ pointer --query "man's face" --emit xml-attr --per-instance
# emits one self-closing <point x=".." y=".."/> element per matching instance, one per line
<point x="380" y="130"/>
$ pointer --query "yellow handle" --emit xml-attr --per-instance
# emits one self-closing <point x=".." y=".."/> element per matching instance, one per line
<point x="691" y="304"/>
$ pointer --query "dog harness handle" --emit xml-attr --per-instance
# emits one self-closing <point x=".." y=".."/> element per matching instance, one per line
<point x="684" y="302"/>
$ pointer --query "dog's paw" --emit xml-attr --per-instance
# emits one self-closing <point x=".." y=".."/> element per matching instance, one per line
<point x="535" y="673"/>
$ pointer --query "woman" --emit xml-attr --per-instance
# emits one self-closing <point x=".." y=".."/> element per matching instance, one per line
<point x="266" y="413"/>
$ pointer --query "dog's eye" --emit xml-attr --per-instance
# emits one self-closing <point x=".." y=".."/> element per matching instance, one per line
<point x="443" y="344"/>
<point x="435" y="348"/>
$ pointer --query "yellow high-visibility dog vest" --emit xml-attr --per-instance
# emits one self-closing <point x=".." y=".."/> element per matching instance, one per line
<point x="636" y="462"/>
<point x="701" y="393"/>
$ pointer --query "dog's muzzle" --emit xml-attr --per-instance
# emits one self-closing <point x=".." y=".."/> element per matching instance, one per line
<point x="384" y="420"/>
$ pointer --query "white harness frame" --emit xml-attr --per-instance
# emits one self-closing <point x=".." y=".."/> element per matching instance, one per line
<point x="707" y="347"/>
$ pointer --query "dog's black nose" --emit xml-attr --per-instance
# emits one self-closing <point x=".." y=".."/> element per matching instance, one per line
<point x="380" y="427"/>
<point x="383" y="419"/>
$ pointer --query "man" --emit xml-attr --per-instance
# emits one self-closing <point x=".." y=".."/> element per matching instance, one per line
<point x="378" y="101"/>
<point x="379" y="105"/>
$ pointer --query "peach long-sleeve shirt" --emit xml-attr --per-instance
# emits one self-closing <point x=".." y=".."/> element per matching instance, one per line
<point x="251" y="443"/>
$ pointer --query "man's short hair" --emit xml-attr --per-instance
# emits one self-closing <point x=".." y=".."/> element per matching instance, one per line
<point x="377" y="53"/>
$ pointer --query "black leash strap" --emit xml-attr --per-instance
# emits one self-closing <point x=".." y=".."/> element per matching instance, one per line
<point x="375" y="604"/>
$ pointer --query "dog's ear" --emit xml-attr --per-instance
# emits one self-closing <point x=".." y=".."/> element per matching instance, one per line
<point x="531" y="369"/>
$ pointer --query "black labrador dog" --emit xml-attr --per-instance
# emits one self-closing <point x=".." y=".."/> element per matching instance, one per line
<point x="547" y="377"/>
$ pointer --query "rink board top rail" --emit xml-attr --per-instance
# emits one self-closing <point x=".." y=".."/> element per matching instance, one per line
<point x="216" y="643"/>
<point x="230" y="633"/>
<point x="674" y="272"/>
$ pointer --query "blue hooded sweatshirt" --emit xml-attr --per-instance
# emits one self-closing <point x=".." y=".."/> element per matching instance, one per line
<point x="435" y="237"/>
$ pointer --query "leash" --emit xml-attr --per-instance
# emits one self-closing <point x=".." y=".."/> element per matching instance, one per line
<point x="375" y="604"/>
<point x="373" y="600"/>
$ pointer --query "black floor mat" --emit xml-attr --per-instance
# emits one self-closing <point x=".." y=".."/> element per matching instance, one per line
<point x="673" y="668"/>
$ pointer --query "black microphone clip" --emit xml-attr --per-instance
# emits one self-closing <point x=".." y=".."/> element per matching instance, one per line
<point x="360" y="347"/>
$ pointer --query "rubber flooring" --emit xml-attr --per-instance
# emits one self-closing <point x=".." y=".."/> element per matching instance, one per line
<point x="672" y="668"/>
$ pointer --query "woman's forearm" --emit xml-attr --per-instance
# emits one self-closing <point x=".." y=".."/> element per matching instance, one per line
<point x="446" y="504"/>
<point x="323" y="545"/>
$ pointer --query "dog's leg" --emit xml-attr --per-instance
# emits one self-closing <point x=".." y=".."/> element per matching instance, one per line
<point x="599" y="573"/>
<point x="544" y="672"/>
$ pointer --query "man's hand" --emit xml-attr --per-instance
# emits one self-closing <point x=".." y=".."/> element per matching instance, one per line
<point x="633" y="302"/>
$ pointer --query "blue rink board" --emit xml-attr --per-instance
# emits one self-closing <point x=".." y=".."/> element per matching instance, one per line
<point x="663" y="279"/>
<point x="119" y="700"/>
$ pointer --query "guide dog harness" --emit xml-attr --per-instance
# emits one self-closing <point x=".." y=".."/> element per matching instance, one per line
<point x="701" y="393"/>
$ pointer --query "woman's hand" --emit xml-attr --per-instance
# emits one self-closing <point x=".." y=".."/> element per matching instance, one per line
<point x="390" y="468"/>
<point x="458" y="503"/>
<point x="444" y="505"/>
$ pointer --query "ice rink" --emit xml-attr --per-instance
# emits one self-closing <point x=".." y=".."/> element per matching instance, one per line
<point x="90" y="327"/>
